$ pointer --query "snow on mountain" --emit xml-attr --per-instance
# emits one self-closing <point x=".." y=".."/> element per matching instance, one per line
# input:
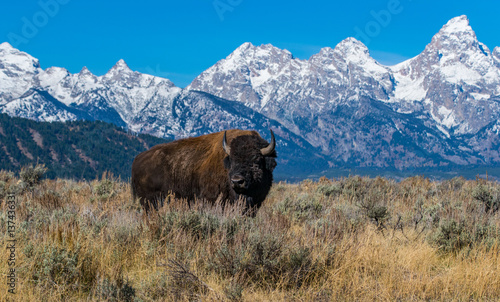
<point x="295" y="91"/>
<point x="455" y="75"/>
<point x="439" y="108"/>
<point x="17" y="70"/>
<point x="58" y="82"/>
<point x="117" y="97"/>
<point x="249" y="68"/>
<point x="142" y="103"/>
<point x="456" y="54"/>
<point x="454" y="78"/>
<point x="448" y="88"/>
<point x="354" y="69"/>
<point x="38" y="105"/>
<point x="496" y="56"/>
<point x="130" y="92"/>
<point x="256" y="74"/>
<point x="193" y="113"/>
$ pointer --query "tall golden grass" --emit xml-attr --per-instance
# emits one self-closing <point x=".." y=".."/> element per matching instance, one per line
<point x="350" y="239"/>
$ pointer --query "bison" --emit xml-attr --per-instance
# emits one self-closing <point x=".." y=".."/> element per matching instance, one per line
<point x="226" y="165"/>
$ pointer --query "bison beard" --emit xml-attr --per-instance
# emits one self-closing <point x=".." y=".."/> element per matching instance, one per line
<point x="228" y="165"/>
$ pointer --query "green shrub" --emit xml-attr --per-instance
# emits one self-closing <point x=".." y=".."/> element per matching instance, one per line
<point x="155" y="288"/>
<point x="6" y="176"/>
<point x="32" y="176"/>
<point x="298" y="266"/>
<point x="199" y="224"/>
<point x="104" y="189"/>
<point x="258" y="258"/>
<point x="230" y="227"/>
<point x="263" y="259"/>
<point x="333" y="189"/>
<point x="482" y="194"/>
<point x="377" y="213"/>
<point x="354" y="187"/>
<point x="55" y="266"/>
<point x="58" y="266"/>
<point x="451" y="236"/>
<point x="374" y="210"/>
<point x="3" y="190"/>
<point x="5" y="183"/>
<point x="301" y="207"/>
<point x="262" y="256"/>
<point x="233" y="291"/>
<point x="433" y="214"/>
<point x="119" y="290"/>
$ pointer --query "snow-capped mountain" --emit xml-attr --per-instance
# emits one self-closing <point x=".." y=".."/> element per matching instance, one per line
<point x="18" y="71"/>
<point x="295" y="91"/>
<point x="451" y="89"/>
<point x="142" y="103"/>
<point x="439" y="108"/>
<point x="454" y="78"/>
<point x="117" y="97"/>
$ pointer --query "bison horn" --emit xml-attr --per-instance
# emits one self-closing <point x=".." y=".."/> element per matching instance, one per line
<point x="270" y="148"/>
<point x="225" y="146"/>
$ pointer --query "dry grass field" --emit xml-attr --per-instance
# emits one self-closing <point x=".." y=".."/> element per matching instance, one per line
<point x="349" y="239"/>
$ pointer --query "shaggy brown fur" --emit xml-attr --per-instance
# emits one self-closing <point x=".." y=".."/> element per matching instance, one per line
<point x="198" y="167"/>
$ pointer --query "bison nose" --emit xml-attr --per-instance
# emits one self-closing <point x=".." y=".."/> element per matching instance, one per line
<point x="238" y="180"/>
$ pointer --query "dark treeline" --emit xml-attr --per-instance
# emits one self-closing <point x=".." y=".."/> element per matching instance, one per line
<point x="77" y="149"/>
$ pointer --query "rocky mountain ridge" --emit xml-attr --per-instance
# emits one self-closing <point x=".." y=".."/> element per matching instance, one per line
<point x="340" y="106"/>
<point x="451" y="89"/>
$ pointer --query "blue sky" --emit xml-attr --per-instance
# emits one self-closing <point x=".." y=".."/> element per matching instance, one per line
<point x="180" y="39"/>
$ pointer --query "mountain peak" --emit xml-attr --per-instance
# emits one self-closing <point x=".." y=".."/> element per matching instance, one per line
<point x="353" y="50"/>
<point x="87" y="75"/>
<point x="5" y="45"/>
<point x="456" y="41"/>
<point x="245" y="46"/>
<point x="121" y="65"/>
<point x="22" y="60"/>
<point x="119" y="70"/>
<point x="242" y="50"/>
<point x="456" y="25"/>
<point x="455" y="34"/>
<point x="248" y="48"/>
<point x="352" y="46"/>
<point x="352" y="41"/>
<point x="84" y="70"/>
<point x="349" y="49"/>
<point x="17" y="70"/>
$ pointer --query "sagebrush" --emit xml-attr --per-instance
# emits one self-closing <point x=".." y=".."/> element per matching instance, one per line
<point x="355" y="238"/>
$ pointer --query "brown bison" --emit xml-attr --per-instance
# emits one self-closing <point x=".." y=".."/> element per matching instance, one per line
<point x="228" y="165"/>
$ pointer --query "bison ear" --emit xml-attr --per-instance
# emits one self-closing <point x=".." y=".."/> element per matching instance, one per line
<point x="227" y="163"/>
<point x="270" y="163"/>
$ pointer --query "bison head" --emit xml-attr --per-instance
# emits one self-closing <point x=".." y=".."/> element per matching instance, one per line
<point x="250" y="162"/>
